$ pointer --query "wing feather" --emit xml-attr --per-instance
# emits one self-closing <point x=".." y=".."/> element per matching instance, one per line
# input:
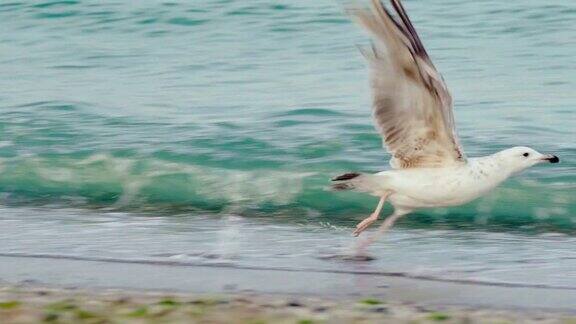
<point x="412" y="106"/>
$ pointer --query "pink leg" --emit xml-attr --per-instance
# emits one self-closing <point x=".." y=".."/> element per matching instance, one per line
<point x="386" y="225"/>
<point x="372" y="218"/>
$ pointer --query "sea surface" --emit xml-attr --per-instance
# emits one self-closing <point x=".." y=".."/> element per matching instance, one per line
<point x="207" y="131"/>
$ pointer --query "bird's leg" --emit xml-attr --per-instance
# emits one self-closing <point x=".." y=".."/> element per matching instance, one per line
<point x="386" y="225"/>
<point x="372" y="218"/>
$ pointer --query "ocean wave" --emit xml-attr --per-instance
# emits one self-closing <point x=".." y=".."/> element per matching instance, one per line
<point x="105" y="180"/>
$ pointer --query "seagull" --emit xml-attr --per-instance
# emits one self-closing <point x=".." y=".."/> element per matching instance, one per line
<point x="412" y="109"/>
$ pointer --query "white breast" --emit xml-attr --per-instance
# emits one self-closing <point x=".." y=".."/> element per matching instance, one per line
<point x="442" y="187"/>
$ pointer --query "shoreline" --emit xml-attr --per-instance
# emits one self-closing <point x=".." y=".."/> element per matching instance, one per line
<point x="224" y="265"/>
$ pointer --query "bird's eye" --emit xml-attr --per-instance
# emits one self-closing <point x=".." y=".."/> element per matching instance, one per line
<point x="526" y="154"/>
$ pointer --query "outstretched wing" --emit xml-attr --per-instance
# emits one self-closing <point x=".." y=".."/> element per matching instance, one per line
<point x="412" y="105"/>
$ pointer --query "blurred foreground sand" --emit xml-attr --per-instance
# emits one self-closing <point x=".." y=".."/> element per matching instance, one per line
<point x="50" y="305"/>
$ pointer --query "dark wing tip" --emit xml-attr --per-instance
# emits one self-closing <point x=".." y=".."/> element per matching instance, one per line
<point x="408" y="29"/>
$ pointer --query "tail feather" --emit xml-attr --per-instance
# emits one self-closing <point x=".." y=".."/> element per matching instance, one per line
<point x="346" y="176"/>
<point x="356" y="181"/>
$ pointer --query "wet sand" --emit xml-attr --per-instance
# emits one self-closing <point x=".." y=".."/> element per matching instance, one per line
<point x="69" y="289"/>
<point x="222" y="277"/>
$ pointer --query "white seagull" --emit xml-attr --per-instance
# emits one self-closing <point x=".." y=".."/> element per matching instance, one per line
<point x="412" y="108"/>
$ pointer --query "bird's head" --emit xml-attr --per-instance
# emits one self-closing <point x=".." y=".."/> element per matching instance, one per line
<point x="520" y="157"/>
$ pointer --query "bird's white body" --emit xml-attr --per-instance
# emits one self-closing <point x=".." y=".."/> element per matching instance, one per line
<point x="454" y="185"/>
<point x="441" y="187"/>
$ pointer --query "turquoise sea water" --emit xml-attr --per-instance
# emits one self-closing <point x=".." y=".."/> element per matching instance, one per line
<point x="247" y="108"/>
<point x="252" y="106"/>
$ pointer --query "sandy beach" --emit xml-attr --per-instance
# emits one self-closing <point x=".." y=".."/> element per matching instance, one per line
<point x="50" y="305"/>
